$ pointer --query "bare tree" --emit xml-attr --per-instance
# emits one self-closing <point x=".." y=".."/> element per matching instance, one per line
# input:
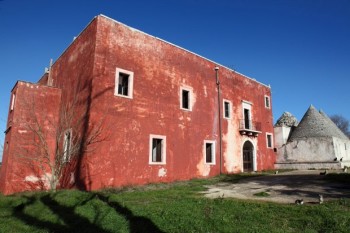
<point x="58" y="144"/>
<point x="342" y="123"/>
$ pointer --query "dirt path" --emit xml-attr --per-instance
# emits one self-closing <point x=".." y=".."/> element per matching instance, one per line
<point x="283" y="188"/>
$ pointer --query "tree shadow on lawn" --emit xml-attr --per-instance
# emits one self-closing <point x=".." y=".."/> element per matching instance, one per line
<point x="136" y="223"/>
<point x="73" y="222"/>
<point x="306" y="185"/>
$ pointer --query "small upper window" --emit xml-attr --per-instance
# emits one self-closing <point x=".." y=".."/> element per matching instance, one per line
<point x="157" y="153"/>
<point x="124" y="81"/>
<point x="269" y="140"/>
<point x="13" y="101"/>
<point x="185" y="98"/>
<point x="209" y="152"/>
<point x="267" y="101"/>
<point x="227" y="109"/>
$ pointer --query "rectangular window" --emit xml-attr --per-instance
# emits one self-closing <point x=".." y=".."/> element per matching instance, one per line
<point x="269" y="140"/>
<point x="209" y="152"/>
<point x="157" y="154"/>
<point x="13" y="101"/>
<point x="227" y="109"/>
<point x="267" y="101"/>
<point x="247" y="122"/>
<point x="67" y="144"/>
<point x="124" y="82"/>
<point x="185" y="98"/>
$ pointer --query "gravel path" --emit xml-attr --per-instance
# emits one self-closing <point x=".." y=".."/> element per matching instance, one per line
<point x="283" y="188"/>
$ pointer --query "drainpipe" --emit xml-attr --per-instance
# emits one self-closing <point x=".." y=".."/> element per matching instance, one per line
<point x="219" y="110"/>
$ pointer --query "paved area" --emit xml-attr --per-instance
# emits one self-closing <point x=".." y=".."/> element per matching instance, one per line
<point x="283" y="188"/>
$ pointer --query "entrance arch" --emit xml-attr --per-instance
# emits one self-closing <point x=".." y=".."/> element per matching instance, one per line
<point x="248" y="156"/>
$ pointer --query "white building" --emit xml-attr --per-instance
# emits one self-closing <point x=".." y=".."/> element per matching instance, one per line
<point x="315" y="143"/>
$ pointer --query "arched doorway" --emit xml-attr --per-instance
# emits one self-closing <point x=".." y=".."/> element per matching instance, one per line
<point x="248" y="156"/>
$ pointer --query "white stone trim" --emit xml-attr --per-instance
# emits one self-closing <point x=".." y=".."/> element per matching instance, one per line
<point x="130" y="82"/>
<point x="13" y="100"/>
<point x="190" y="91"/>
<point x="266" y="97"/>
<point x="229" y="110"/>
<point x="247" y="105"/>
<point x="213" y="152"/>
<point x="163" y="138"/>
<point x="255" y="166"/>
<point x="267" y="141"/>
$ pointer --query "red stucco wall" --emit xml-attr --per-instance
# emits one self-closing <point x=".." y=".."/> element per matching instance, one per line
<point x="86" y="71"/>
<point x="34" y="106"/>
<point x="160" y="69"/>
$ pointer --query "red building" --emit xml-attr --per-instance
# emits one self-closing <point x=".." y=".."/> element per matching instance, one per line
<point x="134" y="109"/>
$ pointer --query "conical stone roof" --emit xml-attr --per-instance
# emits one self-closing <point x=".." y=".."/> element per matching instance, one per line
<point x="334" y="126"/>
<point x="316" y="124"/>
<point x="287" y="119"/>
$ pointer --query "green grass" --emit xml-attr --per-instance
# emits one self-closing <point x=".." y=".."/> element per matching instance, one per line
<point x="177" y="207"/>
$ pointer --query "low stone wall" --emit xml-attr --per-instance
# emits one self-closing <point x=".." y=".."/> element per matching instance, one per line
<point x="308" y="165"/>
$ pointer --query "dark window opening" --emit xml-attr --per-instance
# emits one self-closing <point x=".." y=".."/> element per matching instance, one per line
<point x="246" y="118"/>
<point x="227" y="109"/>
<point x="185" y="99"/>
<point x="267" y="102"/>
<point x="123" y="85"/>
<point x="157" y="150"/>
<point x="209" y="152"/>
<point x="269" y="141"/>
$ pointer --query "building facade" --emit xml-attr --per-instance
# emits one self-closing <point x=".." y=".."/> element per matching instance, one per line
<point x="147" y="111"/>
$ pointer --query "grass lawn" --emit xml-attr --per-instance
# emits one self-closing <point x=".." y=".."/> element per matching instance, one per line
<point x="177" y="207"/>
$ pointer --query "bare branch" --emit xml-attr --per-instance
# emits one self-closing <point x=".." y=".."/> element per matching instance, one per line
<point x="342" y="123"/>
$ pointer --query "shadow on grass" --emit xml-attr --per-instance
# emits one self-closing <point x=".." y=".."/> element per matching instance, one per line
<point x="136" y="223"/>
<point x="73" y="222"/>
<point x="306" y="185"/>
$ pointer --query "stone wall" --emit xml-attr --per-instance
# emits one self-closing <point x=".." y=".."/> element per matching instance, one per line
<point x="307" y="165"/>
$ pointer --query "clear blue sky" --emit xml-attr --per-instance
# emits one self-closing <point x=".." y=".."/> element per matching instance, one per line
<point x="300" y="47"/>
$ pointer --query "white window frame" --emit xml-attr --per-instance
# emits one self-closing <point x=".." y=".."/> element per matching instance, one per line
<point x="130" y="82"/>
<point x="213" y="152"/>
<point x="266" y="97"/>
<point x="163" y="138"/>
<point x="190" y="93"/>
<point x="67" y="145"/>
<point x="229" y="109"/>
<point x="247" y="105"/>
<point x="267" y="140"/>
<point x="13" y="99"/>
